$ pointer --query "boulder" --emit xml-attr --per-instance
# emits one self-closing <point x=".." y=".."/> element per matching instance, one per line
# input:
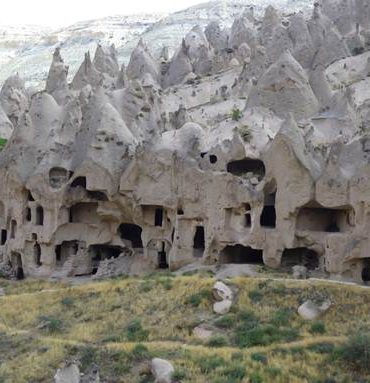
<point x="222" y="291"/>
<point x="222" y="307"/>
<point x="162" y="370"/>
<point x="68" y="374"/>
<point x="309" y="310"/>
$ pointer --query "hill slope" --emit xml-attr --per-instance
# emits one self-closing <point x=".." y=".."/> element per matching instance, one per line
<point x="263" y="339"/>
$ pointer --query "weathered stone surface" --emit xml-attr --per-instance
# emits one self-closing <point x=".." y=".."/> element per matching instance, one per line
<point x="222" y="291"/>
<point x="202" y="332"/>
<point x="309" y="310"/>
<point x="250" y="145"/>
<point x="68" y="374"/>
<point x="162" y="370"/>
<point x="222" y="307"/>
<point x="299" y="272"/>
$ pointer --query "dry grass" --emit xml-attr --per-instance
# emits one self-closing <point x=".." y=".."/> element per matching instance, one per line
<point x="51" y="322"/>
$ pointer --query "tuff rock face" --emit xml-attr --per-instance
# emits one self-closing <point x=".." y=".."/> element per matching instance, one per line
<point x="249" y="145"/>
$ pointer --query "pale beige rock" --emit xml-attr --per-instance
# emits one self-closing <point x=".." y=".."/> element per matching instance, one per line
<point x="202" y="332"/>
<point x="222" y="291"/>
<point x="222" y="307"/>
<point x="68" y="374"/>
<point x="162" y="370"/>
<point x="309" y="310"/>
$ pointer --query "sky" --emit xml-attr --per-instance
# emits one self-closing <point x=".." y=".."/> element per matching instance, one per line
<point x="64" y="12"/>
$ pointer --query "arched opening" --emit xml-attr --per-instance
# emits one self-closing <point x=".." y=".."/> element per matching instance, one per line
<point x="366" y="271"/>
<point x="241" y="254"/>
<point x="64" y="251"/>
<point x="131" y="232"/>
<point x="300" y="256"/>
<point x="39" y="215"/>
<point x="13" y="228"/>
<point x="268" y="216"/>
<point x="17" y="265"/>
<point x="27" y="214"/>
<point x="4" y="236"/>
<point x="162" y="258"/>
<point x="247" y="165"/>
<point x="199" y="242"/>
<point x="37" y="254"/>
<point x="30" y="196"/>
<point x="79" y="182"/>
<point x="158" y="216"/>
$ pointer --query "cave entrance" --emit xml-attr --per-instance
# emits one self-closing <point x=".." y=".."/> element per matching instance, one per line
<point x="199" y="242"/>
<point x="99" y="253"/>
<point x="4" y="235"/>
<point x="132" y="233"/>
<point x="241" y="254"/>
<point x="64" y="251"/>
<point x="247" y="165"/>
<point x="318" y="218"/>
<point x="58" y="177"/>
<point x="79" y="182"/>
<point x="268" y="216"/>
<point x="300" y="256"/>
<point x="39" y="215"/>
<point x="13" y="228"/>
<point x="37" y="254"/>
<point x="158" y="216"/>
<point x="162" y="258"/>
<point x="17" y="265"/>
<point x="365" y="275"/>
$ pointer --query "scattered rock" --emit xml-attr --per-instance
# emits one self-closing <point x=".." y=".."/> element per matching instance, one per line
<point x="202" y="333"/>
<point x="162" y="370"/>
<point x="309" y="310"/>
<point x="68" y="374"/>
<point x="222" y="307"/>
<point x="222" y="292"/>
<point x="2" y="292"/>
<point x="92" y="376"/>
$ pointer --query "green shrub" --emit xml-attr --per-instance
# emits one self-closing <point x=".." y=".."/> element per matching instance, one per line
<point x="282" y="316"/>
<point x="317" y="328"/>
<point x="209" y="363"/>
<point x="135" y="331"/>
<point x="217" y="341"/>
<point x="50" y="324"/>
<point x="179" y="375"/>
<point x="226" y="321"/>
<point x="146" y="286"/>
<point x="257" y="357"/>
<point x="67" y="301"/>
<point x="255" y="296"/>
<point x="88" y="357"/>
<point x="236" y="114"/>
<point x="234" y="372"/>
<point x="140" y="352"/>
<point x="196" y="299"/>
<point x="322" y="348"/>
<point x="166" y="283"/>
<point x="356" y="352"/>
<point x="255" y="377"/>
<point x="3" y="142"/>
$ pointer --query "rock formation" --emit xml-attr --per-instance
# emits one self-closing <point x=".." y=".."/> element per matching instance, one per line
<point x="249" y="145"/>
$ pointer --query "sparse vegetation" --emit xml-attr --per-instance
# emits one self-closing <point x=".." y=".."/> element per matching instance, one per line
<point x="3" y="142"/>
<point x="117" y="326"/>
<point x="245" y="133"/>
<point x="236" y="114"/>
